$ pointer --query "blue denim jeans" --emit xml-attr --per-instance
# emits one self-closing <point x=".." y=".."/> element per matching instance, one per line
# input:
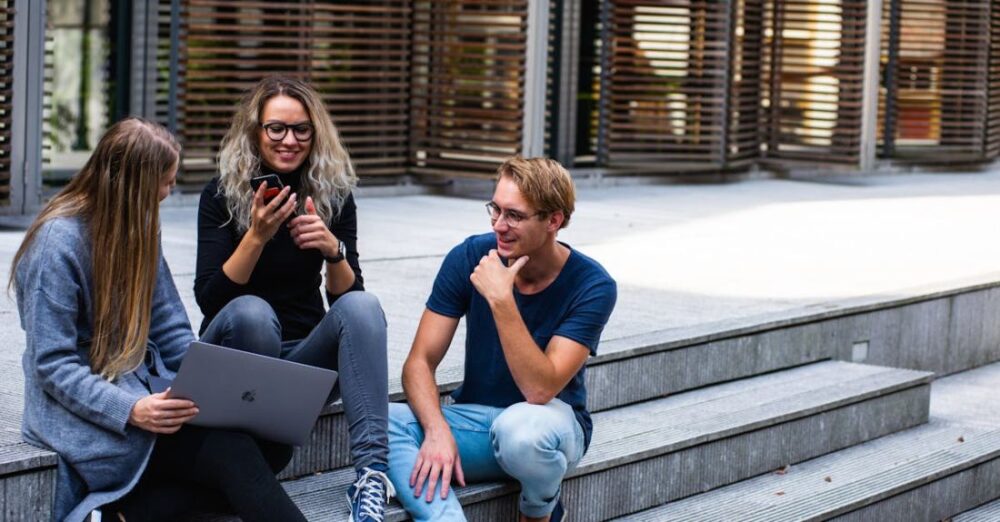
<point x="351" y="339"/>
<point x="535" y="445"/>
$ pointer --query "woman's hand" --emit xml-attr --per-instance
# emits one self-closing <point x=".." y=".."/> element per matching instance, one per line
<point x="159" y="413"/>
<point x="309" y="231"/>
<point x="265" y="218"/>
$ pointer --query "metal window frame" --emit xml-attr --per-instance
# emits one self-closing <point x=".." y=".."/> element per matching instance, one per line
<point x="26" y="113"/>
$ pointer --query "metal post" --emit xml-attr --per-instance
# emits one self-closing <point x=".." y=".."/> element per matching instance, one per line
<point x="869" y="111"/>
<point x="891" y="75"/>
<point x="565" y="89"/>
<point x="143" y="59"/>
<point x="605" y="95"/>
<point x="26" y="113"/>
<point x="175" y="39"/>
<point x="536" y="66"/>
<point x="727" y="78"/>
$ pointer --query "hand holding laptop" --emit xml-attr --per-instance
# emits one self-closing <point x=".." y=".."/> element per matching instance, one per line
<point x="162" y="413"/>
<point x="231" y="389"/>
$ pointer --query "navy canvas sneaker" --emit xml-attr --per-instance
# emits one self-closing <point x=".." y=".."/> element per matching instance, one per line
<point x="368" y="496"/>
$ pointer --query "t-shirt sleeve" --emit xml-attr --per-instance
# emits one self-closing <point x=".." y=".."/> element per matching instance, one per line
<point x="452" y="288"/>
<point x="588" y="314"/>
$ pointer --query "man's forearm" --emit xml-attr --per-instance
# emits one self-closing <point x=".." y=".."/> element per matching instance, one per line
<point x="532" y="371"/>
<point x="422" y="395"/>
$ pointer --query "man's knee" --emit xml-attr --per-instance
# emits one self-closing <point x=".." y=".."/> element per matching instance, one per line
<point x="525" y="438"/>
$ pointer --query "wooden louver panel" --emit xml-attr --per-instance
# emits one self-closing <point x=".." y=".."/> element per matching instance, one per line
<point x="6" y="95"/>
<point x="993" y="84"/>
<point x="940" y="78"/>
<point x="356" y="54"/>
<point x="668" y="83"/>
<point x="814" y="69"/>
<point x="468" y="85"/>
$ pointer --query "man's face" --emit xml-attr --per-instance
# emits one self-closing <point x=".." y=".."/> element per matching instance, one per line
<point x="519" y="230"/>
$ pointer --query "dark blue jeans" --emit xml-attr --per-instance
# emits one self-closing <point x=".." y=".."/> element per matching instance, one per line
<point x="351" y="339"/>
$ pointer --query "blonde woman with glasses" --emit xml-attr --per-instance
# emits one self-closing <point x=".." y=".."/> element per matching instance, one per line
<point x="102" y="316"/>
<point x="277" y="218"/>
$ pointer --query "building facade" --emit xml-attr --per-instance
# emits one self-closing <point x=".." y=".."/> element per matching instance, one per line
<point x="428" y="89"/>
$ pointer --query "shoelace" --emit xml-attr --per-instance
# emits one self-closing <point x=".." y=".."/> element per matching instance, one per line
<point x="375" y="490"/>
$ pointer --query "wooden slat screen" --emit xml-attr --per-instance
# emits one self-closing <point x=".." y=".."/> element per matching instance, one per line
<point x="941" y="77"/>
<point x="744" y="134"/>
<point x="6" y="95"/>
<point x="992" y="145"/>
<point x="468" y="85"/>
<point x="814" y="68"/>
<point x="355" y="53"/>
<point x="667" y="90"/>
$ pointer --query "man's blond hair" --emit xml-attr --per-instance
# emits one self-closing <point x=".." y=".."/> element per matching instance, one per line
<point x="543" y="182"/>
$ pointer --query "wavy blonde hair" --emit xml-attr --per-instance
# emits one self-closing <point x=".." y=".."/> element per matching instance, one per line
<point x="328" y="176"/>
<point x="117" y="196"/>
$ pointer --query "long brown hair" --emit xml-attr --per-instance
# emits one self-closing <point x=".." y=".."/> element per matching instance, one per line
<point x="116" y="194"/>
<point x="328" y="175"/>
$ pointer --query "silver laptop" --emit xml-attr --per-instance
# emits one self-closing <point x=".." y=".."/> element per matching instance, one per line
<point x="265" y="396"/>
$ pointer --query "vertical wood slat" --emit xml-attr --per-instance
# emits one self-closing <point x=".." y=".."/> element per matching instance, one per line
<point x="356" y="55"/>
<point x="667" y="89"/>
<point x="744" y="110"/>
<point x="815" y="71"/>
<point x="468" y="77"/>
<point x="6" y="95"/>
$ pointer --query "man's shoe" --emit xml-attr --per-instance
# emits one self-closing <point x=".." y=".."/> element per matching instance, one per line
<point x="369" y="495"/>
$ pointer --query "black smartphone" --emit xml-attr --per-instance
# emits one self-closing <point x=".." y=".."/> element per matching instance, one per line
<point x="274" y="185"/>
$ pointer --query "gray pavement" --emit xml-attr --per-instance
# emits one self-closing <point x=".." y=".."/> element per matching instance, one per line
<point x="684" y="255"/>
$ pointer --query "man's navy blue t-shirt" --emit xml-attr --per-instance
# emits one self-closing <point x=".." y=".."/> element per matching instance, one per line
<point x="575" y="306"/>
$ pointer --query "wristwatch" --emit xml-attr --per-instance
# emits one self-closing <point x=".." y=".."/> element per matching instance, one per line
<point x="341" y="253"/>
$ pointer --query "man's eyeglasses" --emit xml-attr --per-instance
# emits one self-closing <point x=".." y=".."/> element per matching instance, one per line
<point x="276" y="131"/>
<point x="512" y="217"/>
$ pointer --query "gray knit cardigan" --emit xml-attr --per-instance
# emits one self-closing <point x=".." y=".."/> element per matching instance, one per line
<point x="67" y="407"/>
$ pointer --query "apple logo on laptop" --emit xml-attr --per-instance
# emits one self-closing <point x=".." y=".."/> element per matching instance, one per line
<point x="248" y="395"/>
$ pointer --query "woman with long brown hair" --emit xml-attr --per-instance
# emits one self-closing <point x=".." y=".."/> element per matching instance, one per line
<point x="102" y="316"/>
<point x="261" y="265"/>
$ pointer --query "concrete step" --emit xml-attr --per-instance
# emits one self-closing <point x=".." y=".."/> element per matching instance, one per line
<point x="670" y="448"/>
<point x="927" y="473"/>
<point x="989" y="512"/>
<point x="27" y="473"/>
<point x="637" y="369"/>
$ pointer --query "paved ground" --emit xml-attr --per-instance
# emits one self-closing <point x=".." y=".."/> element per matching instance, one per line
<point x="683" y="255"/>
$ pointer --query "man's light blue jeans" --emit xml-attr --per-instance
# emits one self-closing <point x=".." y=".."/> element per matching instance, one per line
<point x="535" y="445"/>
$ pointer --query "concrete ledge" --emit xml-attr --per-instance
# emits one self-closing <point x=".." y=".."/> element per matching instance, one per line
<point x="699" y="440"/>
<point x="890" y="479"/>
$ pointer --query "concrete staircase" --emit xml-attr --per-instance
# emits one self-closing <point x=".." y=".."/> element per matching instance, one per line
<point x="740" y="423"/>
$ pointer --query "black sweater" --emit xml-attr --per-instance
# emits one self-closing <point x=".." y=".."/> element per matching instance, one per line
<point x="285" y="276"/>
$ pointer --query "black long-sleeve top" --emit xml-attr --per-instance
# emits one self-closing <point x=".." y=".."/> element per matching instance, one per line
<point x="285" y="276"/>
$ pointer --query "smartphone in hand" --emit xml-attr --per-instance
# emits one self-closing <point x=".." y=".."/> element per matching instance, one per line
<point x="274" y="185"/>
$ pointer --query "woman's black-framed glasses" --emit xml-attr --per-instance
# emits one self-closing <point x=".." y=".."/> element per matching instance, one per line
<point x="276" y="131"/>
<point x="512" y="217"/>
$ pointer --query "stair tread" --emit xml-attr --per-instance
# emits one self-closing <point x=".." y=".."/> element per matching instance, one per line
<point x="656" y="427"/>
<point x="989" y="512"/>
<point x="858" y="476"/>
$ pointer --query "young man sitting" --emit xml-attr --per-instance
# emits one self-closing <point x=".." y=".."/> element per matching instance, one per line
<point x="534" y="310"/>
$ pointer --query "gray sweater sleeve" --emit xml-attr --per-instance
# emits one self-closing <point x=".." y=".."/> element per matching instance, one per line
<point x="50" y="288"/>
